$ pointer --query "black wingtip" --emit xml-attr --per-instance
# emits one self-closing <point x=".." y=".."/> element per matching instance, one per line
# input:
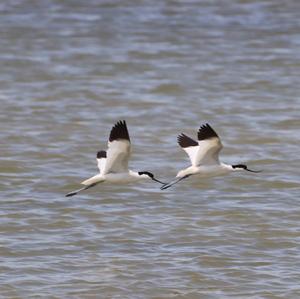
<point x="119" y="131"/>
<point x="101" y="154"/>
<point x="206" y="132"/>
<point x="185" y="141"/>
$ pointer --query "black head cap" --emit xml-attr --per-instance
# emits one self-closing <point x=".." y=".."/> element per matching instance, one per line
<point x="149" y="174"/>
<point x="243" y="166"/>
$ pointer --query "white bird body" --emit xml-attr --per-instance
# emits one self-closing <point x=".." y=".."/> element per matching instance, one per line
<point x="120" y="178"/>
<point x="204" y="156"/>
<point x="113" y="164"/>
<point x="206" y="171"/>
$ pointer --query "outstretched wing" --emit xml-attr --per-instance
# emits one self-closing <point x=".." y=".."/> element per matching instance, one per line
<point x="101" y="161"/>
<point x="190" y="146"/>
<point x="206" y="150"/>
<point x="209" y="146"/>
<point x="118" y="149"/>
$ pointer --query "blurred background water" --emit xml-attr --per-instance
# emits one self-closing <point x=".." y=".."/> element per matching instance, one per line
<point x="70" y="70"/>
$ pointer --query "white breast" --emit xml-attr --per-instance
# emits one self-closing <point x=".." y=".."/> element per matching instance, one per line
<point x="205" y="170"/>
<point x="121" y="178"/>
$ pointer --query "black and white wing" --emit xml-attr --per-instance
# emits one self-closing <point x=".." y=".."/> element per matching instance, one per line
<point x="119" y="148"/>
<point x="190" y="146"/>
<point x="206" y="150"/>
<point x="101" y="161"/>
<point x="209" y="146"/>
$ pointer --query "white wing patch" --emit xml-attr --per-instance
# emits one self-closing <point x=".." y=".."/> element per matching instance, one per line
<point x="101" y="161"/>
<point x="118" y="149"/>
<point x="189" y="145"/>
<point x="192" y="152"/>
<point x="101" y="164"/>
<point x="118" y="154"/>
<point x="208" y="152"/>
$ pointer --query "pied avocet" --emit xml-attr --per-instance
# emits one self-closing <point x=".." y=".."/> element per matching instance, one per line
<point x="204" y="156"/>
<point x="113" y="164"/>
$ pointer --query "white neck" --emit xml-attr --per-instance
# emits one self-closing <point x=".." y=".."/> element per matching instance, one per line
<point x="134" y="174"/>
<point x="227" y="167"/>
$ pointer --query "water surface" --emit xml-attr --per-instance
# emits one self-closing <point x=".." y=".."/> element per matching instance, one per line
<point x="70" y="70"/>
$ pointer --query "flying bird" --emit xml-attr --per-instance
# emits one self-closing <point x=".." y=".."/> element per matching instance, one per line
<point x="113" y="163"/>
<point x="204" y="156"/>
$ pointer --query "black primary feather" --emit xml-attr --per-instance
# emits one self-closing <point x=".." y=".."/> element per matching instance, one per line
<point x="185" y="141"/>
<point x="101" y="154"/>
<point x="119" y="131"/>
<point x="206" y="132"/>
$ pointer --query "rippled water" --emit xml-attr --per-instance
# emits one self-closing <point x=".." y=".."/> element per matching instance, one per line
<point x="70" y="70"/>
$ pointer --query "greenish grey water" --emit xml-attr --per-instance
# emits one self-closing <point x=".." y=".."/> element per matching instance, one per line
<point x="70" y="70"/>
